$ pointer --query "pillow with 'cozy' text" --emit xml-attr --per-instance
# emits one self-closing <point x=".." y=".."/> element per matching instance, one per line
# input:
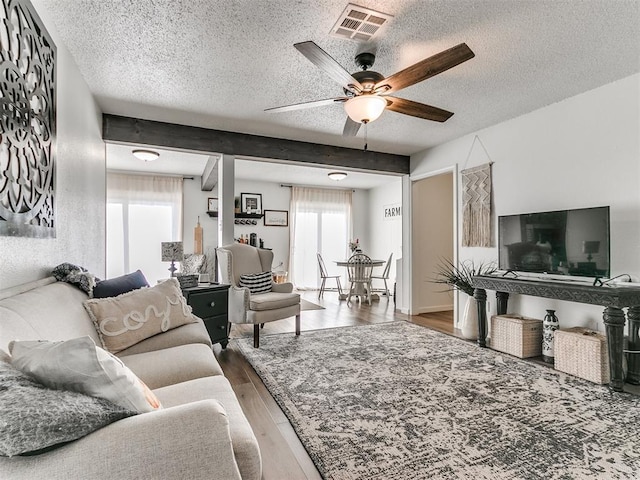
<point x="129" y="318"/>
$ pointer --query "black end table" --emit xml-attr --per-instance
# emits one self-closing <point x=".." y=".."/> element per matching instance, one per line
<point x="210" y="303"/>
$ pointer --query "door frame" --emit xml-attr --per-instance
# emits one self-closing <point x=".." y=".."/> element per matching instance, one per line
<point x="407" y="264"/>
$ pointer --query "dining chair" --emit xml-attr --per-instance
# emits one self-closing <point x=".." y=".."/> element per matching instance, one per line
<point x="359" y="268"/>
<point x="324" y="275"/>
<point x="384" y="277"/>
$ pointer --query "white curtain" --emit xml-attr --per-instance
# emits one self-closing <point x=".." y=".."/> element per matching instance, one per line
<point x="142" y="212"/>
<point x="320" y="223"/>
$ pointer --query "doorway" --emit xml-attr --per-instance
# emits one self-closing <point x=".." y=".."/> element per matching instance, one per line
<point x="433" y="221"/>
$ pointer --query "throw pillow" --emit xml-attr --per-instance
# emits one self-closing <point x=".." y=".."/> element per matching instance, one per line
<point x="119" y="285"/>
<point x="34" y="418"/>
<point x="129" y="318"/>
<point x="257" y="282"/>
<point x="75" y="275"/>
<point x="80" y="366"/>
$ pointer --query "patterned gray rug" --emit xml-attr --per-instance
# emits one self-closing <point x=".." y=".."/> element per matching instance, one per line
<point x="399" y="401"/>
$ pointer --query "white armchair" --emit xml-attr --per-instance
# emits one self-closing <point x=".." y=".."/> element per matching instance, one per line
<point x="240" y="259"/>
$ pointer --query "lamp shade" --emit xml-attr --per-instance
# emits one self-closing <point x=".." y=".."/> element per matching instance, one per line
<point x="172" y="251"/>
<point x="590" y="246"/>
<point x="365" y="108"/>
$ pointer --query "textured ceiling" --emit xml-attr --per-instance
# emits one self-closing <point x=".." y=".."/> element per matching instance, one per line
<point x="220" y="63"/>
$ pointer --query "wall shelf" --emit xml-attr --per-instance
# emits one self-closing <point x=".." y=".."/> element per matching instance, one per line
<point x="239" y="215"/>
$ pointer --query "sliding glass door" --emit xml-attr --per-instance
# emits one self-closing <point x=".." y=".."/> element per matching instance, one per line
<point x="321" y="223"/>
<point x="141" y="214"/>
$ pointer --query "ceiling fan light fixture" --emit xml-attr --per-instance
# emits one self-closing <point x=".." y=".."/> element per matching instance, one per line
<point x="145" y="155"/>
<point x="365" y="108"/>
<point x="337" y="176"/>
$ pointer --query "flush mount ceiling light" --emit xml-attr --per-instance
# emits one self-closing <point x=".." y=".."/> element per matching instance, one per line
<point x="146" y="155"/>
<point x="337" y="176"/>
<point x="365" y="108"/>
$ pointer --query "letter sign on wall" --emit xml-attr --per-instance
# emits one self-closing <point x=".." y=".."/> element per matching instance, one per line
<point x="392" y="212"/>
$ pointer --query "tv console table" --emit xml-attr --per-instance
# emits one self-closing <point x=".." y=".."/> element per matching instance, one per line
<point x="614" y="298"/>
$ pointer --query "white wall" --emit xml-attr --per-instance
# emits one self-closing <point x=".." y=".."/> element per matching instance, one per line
<point x="195" y="203"/>
<point x="581" y="152"/>
<point x="385" y="233"/>
<point x="80" y="184"/>
<point x="361" y="224"/>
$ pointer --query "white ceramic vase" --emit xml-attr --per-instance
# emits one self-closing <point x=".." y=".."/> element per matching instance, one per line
<point x="469" y="322"/>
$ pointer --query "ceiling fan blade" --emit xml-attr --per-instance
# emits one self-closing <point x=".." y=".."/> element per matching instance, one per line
<point x="313" y="103"/>
<point x="415" y="109"/>
<point x="427" y="68"/>
<point x="350" y="128"/>
<point x="327" y="64"/>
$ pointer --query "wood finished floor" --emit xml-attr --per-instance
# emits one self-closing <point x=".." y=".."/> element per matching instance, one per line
<point x="283" y="456"/>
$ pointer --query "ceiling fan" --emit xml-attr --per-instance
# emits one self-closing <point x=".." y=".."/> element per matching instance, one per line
<point x="367" y="93"/>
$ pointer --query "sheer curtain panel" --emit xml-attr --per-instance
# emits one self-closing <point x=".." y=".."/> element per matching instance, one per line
<point x="320" y="222"/>
<point x="142" y="212"/>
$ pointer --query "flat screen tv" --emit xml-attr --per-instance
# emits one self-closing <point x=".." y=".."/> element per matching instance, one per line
<point x="563" y="242"/>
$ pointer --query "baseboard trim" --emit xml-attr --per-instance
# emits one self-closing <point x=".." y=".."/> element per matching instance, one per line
<point x="432" y="309"/>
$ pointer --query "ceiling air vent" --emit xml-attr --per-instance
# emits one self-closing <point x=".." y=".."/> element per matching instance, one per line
<point x="359" y="23"/>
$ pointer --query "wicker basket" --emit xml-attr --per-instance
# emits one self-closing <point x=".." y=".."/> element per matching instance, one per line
<point x="583" y="353"/>
<point x="516" y="335"/>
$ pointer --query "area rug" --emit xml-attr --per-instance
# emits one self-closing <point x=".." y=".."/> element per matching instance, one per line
<point x="307" y="305"/>
<point x="400" y="401"/>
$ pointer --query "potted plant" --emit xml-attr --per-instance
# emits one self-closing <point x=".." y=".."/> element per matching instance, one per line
<point x="459" y="278"/>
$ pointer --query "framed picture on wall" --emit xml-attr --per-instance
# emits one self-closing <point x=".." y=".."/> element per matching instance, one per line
<point x="212" y="204"/>
<point x="251" y="203"/>
<point x="276" y="218"/>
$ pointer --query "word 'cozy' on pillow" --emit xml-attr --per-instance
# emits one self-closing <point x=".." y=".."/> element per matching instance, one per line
<point x="113" y="287"/>
<point x="256" y="282"/>
<point x="129" y="318"/>
<point x="34" y="418"/>
<point x="80" y="366"/>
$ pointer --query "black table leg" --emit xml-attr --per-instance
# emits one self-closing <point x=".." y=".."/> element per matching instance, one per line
<point x="633" y="374"/>
<point x="502" y="299"/>
<point x="480" y="295"/>
<point x="614" y="322"/>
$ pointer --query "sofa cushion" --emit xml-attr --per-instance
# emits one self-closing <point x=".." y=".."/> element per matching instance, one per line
<point x="173" y="365"/>
<point x="78" y="365"/>
<point x="52" y="312"/>
<point x="113" y="287"/>
<point x="273" y="300"/>
<point x="183" y="335"/>
<point x="33" y="417"/>
<point x="245" y="445"/>
<point x="127" y="319"/>
<point x="257" y="282"/>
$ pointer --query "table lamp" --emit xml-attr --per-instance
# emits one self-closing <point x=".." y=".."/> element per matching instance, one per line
<point x="172" y="252"/>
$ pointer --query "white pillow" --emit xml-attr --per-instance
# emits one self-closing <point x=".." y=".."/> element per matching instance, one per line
<point x="81" y="366"/>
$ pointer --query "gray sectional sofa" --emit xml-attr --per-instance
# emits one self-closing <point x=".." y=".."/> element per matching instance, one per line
<point x="201" y="431"/>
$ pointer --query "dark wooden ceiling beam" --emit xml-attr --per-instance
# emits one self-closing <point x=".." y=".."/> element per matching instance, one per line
<point x="137" y="131"/>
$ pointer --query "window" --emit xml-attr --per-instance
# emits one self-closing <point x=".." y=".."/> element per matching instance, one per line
<point x="142" y="212"/>
<point x="320" y="222"/>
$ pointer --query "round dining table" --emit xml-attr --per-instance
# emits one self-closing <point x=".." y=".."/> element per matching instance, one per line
<point x="344" y="263"/>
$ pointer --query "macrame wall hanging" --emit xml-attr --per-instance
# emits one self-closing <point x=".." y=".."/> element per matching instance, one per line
<point x="476" y="203"/>
<point x="27" y="123"/>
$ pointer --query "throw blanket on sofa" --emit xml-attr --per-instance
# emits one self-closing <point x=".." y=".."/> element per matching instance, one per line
<point x="78" y="276"/>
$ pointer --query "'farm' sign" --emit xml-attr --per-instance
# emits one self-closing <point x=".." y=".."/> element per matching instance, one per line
<point x="391" y="212"/>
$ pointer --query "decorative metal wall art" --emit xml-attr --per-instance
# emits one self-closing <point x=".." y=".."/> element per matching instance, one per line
<point x="27" y="122"/>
